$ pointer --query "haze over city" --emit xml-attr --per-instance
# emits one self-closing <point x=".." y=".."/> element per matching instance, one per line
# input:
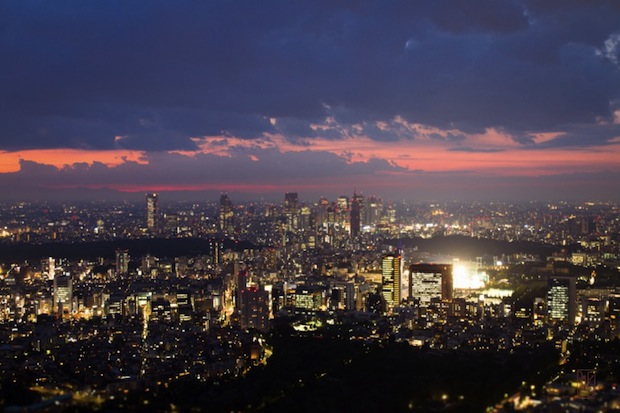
<point x="448" y="100"/>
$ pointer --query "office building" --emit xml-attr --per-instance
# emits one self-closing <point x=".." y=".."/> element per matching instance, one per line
<point x="152" y="212"/>
<point x="356" y="215"/>
<point x="391" y="270"/>
<point x="226" y="214"/>
<point x="291" y="210"/>
<point x="122" y="262"/>
<point x="562" y="299"/>
<point x="63" y="296"/>
<point x="254" y="311"/>
<point x="428" y="281"/>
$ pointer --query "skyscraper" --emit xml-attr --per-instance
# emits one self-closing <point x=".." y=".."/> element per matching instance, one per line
<point x="391" y="279"/>
<point x="226" y="213"/>
<point x="152" y="212"/>
<point x="63" y="295"/>
<point x="122" y="262"/>
<point x="356" y="215"/>
<point x="561" y="299"/>
<point x="291" y="210"/>
<point x="373" y="210"/>
<point x="427" y="281"/>
<point x="290" y="200"/>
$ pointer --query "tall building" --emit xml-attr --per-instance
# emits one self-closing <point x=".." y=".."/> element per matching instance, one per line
<point x="373" y="210"/>
<point x="305" y="215"/>
<point x="63" y="296"/>
<point x="290" y="201"/>
<point x="122" y="262"/>
<point x="254" y="311"/>
<point x="342" y="211"/>
<point x="321" y="212"/>
<point x="356" y="215"/>
<point x="226" y="214"/>
<point x="152" y="212"/>
<point x="184" y="305"/>
<point x="428" y="281"/>
<point x="562" y="299"/>
<point x="241" y="283"/>
<point x="391" y="270"/>
<point x="291" y="210"/>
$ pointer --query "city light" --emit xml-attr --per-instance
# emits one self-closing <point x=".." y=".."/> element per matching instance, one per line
<point x="466" y="276"/>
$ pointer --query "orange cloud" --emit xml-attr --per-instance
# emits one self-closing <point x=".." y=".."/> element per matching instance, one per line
<point x="499" y="154"/>
<point x="9" y="161"/>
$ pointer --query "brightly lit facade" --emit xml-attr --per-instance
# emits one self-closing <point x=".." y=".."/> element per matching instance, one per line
<point x="428" y="281"/>
<point x="561" y="299"/>
<point x="391" y="270"/>
<point x="152" y="211"/>
<point x="63" y="295"/>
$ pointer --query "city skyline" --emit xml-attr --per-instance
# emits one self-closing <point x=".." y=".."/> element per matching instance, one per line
<point x="123" y="306"/>
<point x="428" y="100"/>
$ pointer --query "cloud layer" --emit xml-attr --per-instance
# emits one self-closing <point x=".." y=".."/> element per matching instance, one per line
<point x="158" y="77"/>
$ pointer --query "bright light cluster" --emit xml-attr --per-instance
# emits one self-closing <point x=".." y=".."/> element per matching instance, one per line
<point x="467" y="277"/>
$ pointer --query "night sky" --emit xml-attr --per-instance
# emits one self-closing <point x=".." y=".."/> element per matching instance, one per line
<point x="423" y="100"/>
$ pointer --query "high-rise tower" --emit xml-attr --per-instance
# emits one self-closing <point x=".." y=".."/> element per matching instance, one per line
<point x="291" y="210"/>
<point x="356" y="215"/>
<point x="63" y="295"/>
<point x="122" y="262"/>
<point x="561" y="299"/>
<point x="391" y="279"/>
<point x="152" y="212"/>
<point x="226" y="213"/>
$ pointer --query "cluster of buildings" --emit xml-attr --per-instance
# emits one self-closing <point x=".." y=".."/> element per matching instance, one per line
<point x="326" y="264"/>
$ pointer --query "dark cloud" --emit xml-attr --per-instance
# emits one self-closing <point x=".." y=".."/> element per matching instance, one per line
<point x="311" y="173"/>
<point x="251" y="167"/>
<point x="78" y="74"/>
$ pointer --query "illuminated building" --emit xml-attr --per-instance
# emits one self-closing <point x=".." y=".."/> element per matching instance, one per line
<point x="304" y="218"/>
<point x="160" y="310"/>
<point x="226" y="214"/>
<point x="309" y="298"/>
<point x="278" y="297"/>
<point x="291" y="210"/>
<point x="122" y="262"/>
<point x="152" y="212"/>
<point x="321" y="212"/>
<point x="51" y="269"/>
<point x="342" y="296"/>
<point x="63" y="295"/>
<point x="342" y="211"/>
<point x="373" y="210"/>
<point x="254" y="309"/>
<point x="428" y="281"/>
<point x="593" y="310"/>
<point x="184" y="305"/>
<point x="561" y="299"/>
<point x="391" y="279"/>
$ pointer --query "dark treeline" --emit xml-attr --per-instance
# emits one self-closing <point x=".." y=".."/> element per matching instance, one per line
<point x="159" y="247"/>
<point x="470" y="248"/>
<point x="333" y="374"/>
<point x="462" y="246"/>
